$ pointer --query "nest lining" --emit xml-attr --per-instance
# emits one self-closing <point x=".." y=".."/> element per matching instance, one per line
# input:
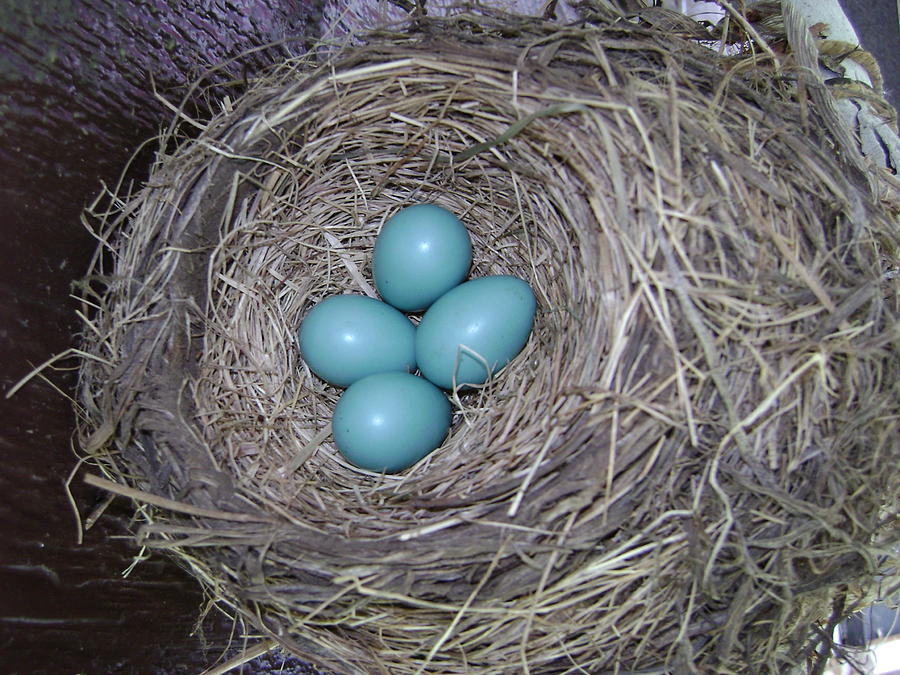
<point x="690" y="446"/>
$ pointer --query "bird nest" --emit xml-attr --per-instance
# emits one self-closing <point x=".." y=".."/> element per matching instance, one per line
<point x="691" y="466"/>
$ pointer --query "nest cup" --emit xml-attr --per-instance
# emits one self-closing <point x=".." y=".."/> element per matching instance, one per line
<point x="690" y="464"/>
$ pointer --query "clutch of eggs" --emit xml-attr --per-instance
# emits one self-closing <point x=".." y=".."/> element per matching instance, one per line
<point x="388" y="418"/>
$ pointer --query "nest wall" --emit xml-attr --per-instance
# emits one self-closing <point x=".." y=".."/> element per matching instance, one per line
<point x="691" y="465"/>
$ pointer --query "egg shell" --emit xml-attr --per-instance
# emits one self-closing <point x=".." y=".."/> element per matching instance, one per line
<point x="491" y="316"/>
<point x="344" y="338"/>
<point x="421" y="253"/>
<point x="388" y="422"/>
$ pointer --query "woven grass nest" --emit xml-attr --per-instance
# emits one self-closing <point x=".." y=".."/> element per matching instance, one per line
<point x="692" y="466"/>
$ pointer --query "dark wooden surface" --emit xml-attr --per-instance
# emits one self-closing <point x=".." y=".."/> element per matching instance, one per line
<point x="66" y="608"/>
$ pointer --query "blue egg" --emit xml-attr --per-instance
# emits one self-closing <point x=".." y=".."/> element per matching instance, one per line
<point x="421" y="253"/>
<point x="347" y="337"/>
<point x="388" y="422"/>
<point x="491" y="316"/>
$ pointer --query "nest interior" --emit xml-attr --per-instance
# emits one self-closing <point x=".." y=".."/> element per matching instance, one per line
<point x="691" y="465"/>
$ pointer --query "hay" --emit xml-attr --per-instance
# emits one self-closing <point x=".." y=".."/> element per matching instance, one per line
<point x="693" y="464"/>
